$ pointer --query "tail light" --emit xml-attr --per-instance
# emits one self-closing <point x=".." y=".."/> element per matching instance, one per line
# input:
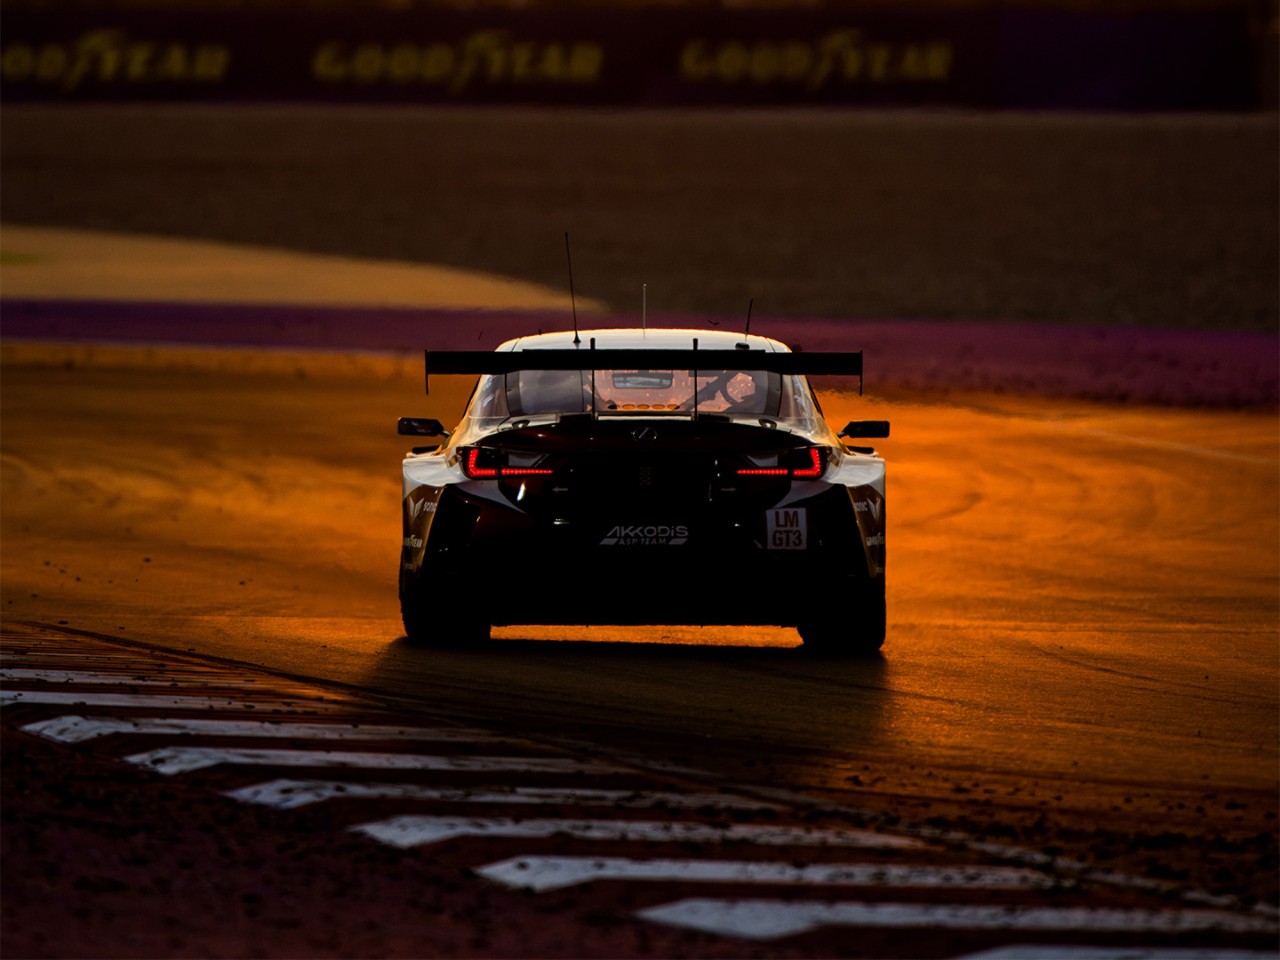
<point x="801" y="463"/>
<point x="485" y="463"/>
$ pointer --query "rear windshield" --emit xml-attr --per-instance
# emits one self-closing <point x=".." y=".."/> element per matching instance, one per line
<point x="751" y="394"/>
<point x="641" y="392"/>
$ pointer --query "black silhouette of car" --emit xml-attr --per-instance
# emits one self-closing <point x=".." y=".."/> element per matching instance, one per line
<point x="644" y="477"/>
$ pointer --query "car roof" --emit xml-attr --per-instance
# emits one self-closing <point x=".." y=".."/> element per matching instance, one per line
<point x="635" y="338"/>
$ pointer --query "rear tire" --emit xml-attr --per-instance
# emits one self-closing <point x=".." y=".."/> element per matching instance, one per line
<point x="861" y="634"/>
<point x="425" y="626"/>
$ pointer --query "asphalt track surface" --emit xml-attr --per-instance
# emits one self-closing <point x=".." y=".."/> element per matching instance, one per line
<point x="1082" y="647"/>
<point x="1082" y="644"/>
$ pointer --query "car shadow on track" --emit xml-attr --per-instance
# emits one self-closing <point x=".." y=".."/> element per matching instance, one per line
<point x="623" y="689"/>
<point x="638" y="649"/>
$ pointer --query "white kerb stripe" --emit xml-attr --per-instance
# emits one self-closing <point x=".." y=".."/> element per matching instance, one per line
<point x="412" y="831"/>
<point x="158" y="700"/>
<point x="771" y="919"/>
<point x="171" y="760"/>
<point x="287" y="794"/>
<point x="554" y="873"/>
<point x="74" y="729"/>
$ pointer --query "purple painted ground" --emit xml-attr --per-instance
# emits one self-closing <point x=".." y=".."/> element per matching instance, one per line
<point x="1128" y="365"/>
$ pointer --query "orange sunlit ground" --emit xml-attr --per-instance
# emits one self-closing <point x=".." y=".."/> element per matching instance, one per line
<point x="1057" y="542"/>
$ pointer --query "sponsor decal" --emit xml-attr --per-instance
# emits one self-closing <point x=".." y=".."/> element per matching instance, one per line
<point x="787" y="529"/>
<point x="646" y="535"/>
<point x="419" y="507"/>
<point x="873" y="507"/>
<point x="112" y="57"/>
<point x="485" y="57"/>
<point x="876" y="541"/>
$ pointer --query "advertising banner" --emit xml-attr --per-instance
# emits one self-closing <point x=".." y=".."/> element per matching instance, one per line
<point x="597" y="57"/>
<point x="629" y="57"/>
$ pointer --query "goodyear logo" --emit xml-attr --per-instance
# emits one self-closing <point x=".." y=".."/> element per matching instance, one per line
<point x="490" y="57"/>
<point x="113" y="57"/>
<point x="839" y="56"/>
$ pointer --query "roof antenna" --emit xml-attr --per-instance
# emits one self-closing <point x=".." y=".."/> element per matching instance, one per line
<point x="747" y="332"/>
<point x="572" y="301"/>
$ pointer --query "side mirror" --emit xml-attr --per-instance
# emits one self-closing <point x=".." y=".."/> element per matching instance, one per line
<point x="872" y="429"/>
<point x="420" y="427"/>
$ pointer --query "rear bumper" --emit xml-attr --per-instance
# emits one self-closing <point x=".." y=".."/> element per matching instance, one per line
<point x="700" y="568"/>
<point x="597" y="602"/>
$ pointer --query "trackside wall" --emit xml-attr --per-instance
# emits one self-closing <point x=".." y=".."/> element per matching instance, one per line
<point x="997" y="57"/>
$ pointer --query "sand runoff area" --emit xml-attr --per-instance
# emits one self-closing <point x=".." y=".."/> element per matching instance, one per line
<point x="77" y="286"/>
<point x="46" y="263"/>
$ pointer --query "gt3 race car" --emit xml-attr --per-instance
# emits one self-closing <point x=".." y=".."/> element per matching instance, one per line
<point x="644" y="477"/>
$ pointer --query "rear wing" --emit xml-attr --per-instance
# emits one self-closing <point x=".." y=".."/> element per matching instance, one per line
<point x="477" y="362"/>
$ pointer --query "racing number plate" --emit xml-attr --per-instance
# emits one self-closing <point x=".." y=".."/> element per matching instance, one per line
<point x="787" y="529"/>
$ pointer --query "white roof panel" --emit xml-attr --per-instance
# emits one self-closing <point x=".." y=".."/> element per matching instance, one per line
<point x="635" y="338"/>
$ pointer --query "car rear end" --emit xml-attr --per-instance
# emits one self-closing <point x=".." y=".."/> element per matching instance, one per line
<point x="708" y="496"/>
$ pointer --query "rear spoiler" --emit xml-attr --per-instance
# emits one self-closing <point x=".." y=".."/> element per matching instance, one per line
<point x="476" y="362"/>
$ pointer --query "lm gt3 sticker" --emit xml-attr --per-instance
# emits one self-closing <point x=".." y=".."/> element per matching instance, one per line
<point x="787" y="529"/>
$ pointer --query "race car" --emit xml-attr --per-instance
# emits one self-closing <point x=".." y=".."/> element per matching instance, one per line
<point x="644" y="476"/>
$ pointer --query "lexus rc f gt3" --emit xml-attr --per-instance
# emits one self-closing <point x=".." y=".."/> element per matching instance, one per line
<point x="644" y="477"/>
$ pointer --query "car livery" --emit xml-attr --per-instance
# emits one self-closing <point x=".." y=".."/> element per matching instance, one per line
<point x="644" y="477"/>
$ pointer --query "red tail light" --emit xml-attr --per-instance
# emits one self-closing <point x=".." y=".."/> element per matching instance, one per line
<point x="805" y="463"/>
<point x="485" y="464"/>
<point x="815" y="466"/>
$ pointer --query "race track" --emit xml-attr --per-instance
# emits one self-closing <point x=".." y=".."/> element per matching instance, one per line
<point x="1082" y="622"/>
<point x="1082" y="650"/>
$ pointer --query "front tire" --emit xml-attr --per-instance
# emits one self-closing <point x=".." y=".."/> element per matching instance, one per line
<point x="860" y="634"/>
